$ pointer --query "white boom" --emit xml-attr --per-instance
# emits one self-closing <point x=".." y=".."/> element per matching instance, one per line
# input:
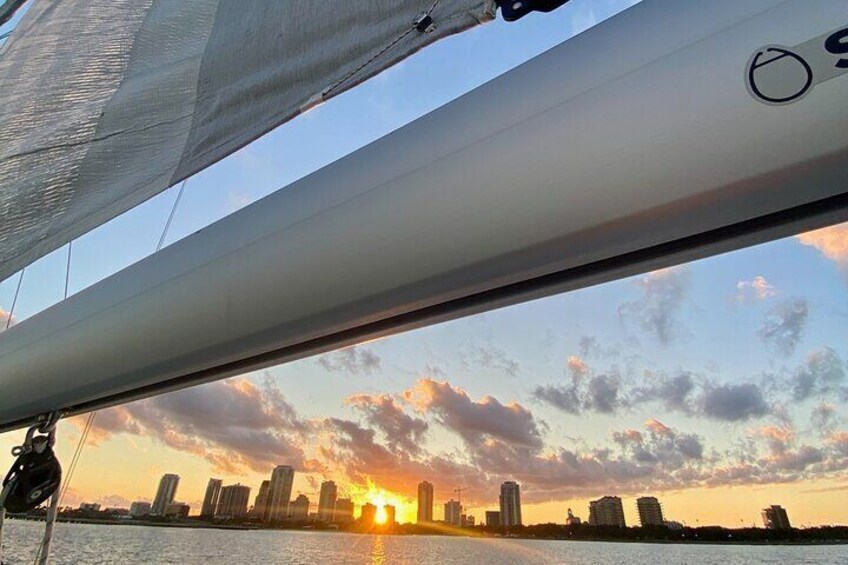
<point x="633" y="146"/>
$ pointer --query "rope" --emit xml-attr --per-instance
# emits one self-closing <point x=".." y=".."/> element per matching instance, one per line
<point x="43" y="552"/>
<point x="15" y="299"/>
<point x="59" y="496"/>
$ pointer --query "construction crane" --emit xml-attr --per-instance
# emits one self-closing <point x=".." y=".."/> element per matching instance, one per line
<point x="458" y="490"/>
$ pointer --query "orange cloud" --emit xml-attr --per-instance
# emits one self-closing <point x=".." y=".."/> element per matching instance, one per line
<point x="832" y="242"/>
<point x="577" y="366"/>
<point x="657" y="427"/>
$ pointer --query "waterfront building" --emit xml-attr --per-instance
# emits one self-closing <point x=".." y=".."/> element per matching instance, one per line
<point x="177" y="510"/>
<point x="776" y="518"/>
<point x="210" y="499"/>
<point x="510" y="504"/>
<point x="299" y="509"/>
<point x="89" y="507"/>
<point x="139" y="508"/>
<point x="260" y="504"/>
<point x="650" y="511"/>
<point x="233" y="501"/>
<point x="327" y="501"/>
<point x="606" y="511"/>
<point x="391" y="513"/>
<point x="165" y="494"/>
<point x="279" y="493"/>
<point x="453" y="513"/>
<point x="344" y="511"/>
<point x="572" y="520"/>
<point x="425" y="502"/>
<point x="369" y="512"/>
<point x="467" y="520"/>
<point x="493" y="518"/>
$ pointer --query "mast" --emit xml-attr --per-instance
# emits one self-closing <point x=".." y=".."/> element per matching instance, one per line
<point x="634" y="146"/>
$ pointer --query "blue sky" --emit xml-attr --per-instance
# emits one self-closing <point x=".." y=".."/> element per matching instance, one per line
<point x="589" y="373"/>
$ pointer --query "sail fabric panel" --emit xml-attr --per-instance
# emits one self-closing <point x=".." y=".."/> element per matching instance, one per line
<point x="105" y="103"/>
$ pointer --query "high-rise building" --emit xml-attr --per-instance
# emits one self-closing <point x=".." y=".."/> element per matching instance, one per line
<point x="493" y="518"/>
<point x="165" y="494"/>
<point x="650" y="511"/>
<point x="177" y="510"/>
<point x="453" y="513"/>
<point x="776" y="518"/>
<point x="510" y="504"/>
<point x="139" y="508"/>
<point x="279" y="493"/>
<point x="369" y="512"/>
<point x="260" y="504"/>
<point x="425" y="502"/>
<point x="606" y="511"/>
<point x="233" y="501"/>
<point x="327" y="502"/>
<point x="299" y="509"/>
<point x="344" y="510"/>
<point x="210" y="499"/>
<point x="391" y="513"/>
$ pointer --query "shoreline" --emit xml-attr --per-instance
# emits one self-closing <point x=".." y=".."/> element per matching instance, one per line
<point x="452" y="533"/>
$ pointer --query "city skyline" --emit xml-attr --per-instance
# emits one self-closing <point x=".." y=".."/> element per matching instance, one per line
<point x="719" y="384"/>
<point x="607" y="510"/>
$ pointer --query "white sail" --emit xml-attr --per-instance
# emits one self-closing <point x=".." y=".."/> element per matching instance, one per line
<point x="105" y="103"/>
<point x="633" y="146"/>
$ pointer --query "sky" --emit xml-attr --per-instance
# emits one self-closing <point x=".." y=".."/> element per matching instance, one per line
<point x="719" y="386"/>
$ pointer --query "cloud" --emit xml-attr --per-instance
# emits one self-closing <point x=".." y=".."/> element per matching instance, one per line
<point x="832" y="242"/>
<point x="566" y="399"/>
<point x="402" y="431"/>
<point x="355" y="360"/>
<point x="491" y="357"/>
<point x="783" y="325"/>
<point x="757" y="289"/>
<point x="839" y="441"/>
<point x="733" y="403"/>
<point x="588" y="345"/>
<point x="475" y="421"/>
<point x="673" y="392"/>
<point x="597" y="393"/>
<point x="661" y="445"/>
<point x="4" y="319"/>
<point x="821" y="373"/>
<point x="657" y="311"/>
<point x="576" y="366"/>
<point x="823" y="418"/>
<point x="603" y="394"/>
<point x="234" y="424"/>
<point x="355" y="452"/>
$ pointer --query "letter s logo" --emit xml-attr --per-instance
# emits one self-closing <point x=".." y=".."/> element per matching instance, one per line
<point x="837" y="44"/>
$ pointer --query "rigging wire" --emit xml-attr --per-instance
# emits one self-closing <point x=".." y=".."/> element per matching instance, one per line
<point x="15" y="299"/>
<point x="171" y="216"/>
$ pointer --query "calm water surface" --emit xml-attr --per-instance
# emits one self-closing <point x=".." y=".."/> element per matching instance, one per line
<point x="80" y="543"/>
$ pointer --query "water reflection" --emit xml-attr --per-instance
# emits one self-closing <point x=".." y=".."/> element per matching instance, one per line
<point x="378" y="551"/>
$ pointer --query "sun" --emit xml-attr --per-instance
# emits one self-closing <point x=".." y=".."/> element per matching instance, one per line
<point x="380" y="517"/>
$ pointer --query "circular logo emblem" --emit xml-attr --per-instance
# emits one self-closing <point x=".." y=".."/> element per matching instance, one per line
<point x="778" y="76"/>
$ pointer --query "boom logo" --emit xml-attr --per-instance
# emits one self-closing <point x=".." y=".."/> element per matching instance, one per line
<point x="778" y="75"/>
